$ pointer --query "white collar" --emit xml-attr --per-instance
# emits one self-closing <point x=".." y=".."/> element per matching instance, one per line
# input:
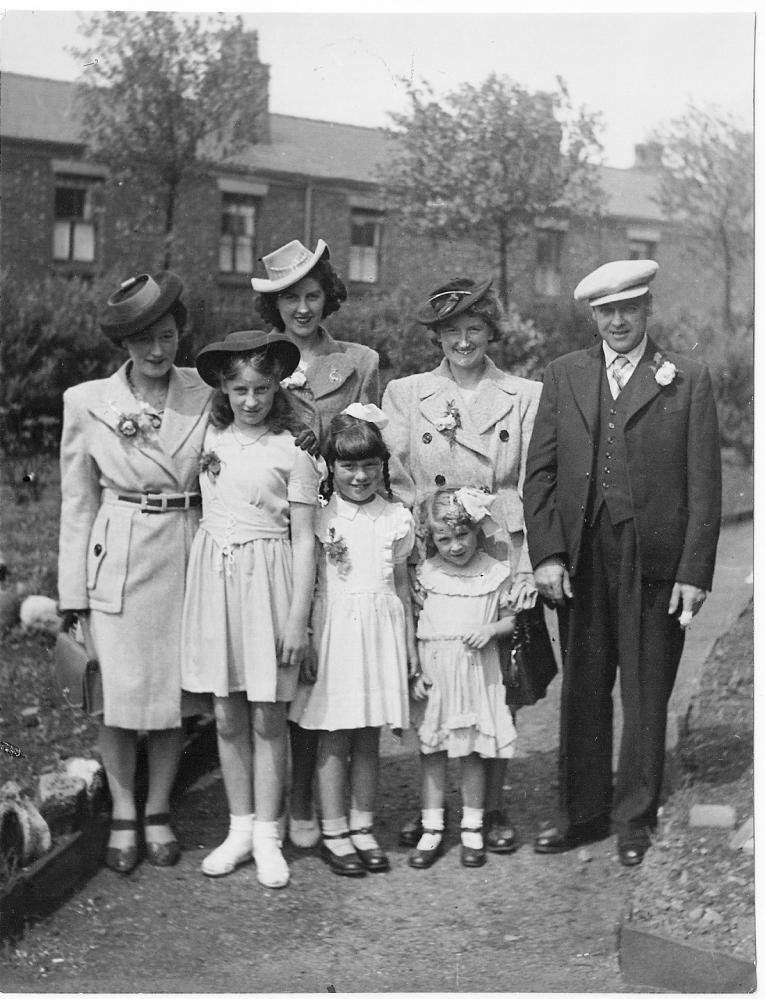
<point x="633" y="356"/>
<point x="349" y="511"/>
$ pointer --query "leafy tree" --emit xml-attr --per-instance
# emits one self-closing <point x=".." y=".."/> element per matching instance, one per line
<point x="163" y="95"/>
<point x="707" y="185"/>
<point x="486" y="161"/>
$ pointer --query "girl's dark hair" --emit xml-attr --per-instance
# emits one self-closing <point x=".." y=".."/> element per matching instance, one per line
<point x="335" y="293"/>
<point x="351" y="439"/>
<point x="281" y="416"/>
<point x="488" y="307"/>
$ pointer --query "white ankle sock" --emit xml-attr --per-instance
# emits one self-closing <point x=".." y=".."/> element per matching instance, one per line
<point x="433" y="818"/>
<point x="363" y="820"/>
<point x="273" y="871"/>
<point x="235" y="849"/>
<point x="472" y="828"/>
<point x="333" y="827"/>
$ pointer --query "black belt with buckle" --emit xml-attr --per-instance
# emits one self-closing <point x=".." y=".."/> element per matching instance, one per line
<point x="156" y="504"/>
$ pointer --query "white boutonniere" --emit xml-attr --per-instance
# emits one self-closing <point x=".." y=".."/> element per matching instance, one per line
<point x="664" y="371"/>
<point x="296" y="380"/>
<point x="449" y="423"/>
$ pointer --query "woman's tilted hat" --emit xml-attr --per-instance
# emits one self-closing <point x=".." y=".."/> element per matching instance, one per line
<point x="288" y="265"/>
<point x="451" y="299"/>
<point x="139" y="302"/>
<point x="616" y="281"/>
<point x="210" y="359"/>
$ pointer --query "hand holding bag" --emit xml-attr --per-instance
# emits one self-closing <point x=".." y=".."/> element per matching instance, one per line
<point x="527" y="659"/>
<point x="76" y="673"/>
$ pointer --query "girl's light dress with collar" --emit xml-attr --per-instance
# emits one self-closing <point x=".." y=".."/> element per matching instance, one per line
<point x="239" y="585"/>
<point x="358" y="619"/>
<point x="465" y="711"/>
<point x="126" y="565"/>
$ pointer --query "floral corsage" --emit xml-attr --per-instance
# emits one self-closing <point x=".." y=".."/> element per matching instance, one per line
<point x="209" y="462"/>
<point x="449" y="423"/>
<point x="143" y="424"/>
<point x="664" y="371"/>
<point x="297" y="379"/>
<point x="336" y="549"/>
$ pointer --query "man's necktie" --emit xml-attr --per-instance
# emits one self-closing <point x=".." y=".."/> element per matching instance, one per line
<point x="620" y="369"/>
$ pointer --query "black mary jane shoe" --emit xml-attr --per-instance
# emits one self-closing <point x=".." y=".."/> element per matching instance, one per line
<point x="123" y="860"/>
<point x="632" y="849"/>
<point x="499" y="833"/>
<point x="422" y="859"/>
<point x="375" y="860"/>
<point x="471" y="856"/>
<point x="552" y="840"/>
<point x="161" y="854"/>
<point x="348" y="865"/>
<point x="411" y="831"/>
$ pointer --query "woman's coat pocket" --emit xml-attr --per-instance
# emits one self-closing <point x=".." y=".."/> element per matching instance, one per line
<point x="108" y="561"/>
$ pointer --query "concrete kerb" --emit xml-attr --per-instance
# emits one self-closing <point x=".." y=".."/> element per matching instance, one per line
<point x="652" y="960"/>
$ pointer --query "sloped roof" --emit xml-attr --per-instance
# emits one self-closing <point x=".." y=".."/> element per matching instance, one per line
<point x="39" y="109"/>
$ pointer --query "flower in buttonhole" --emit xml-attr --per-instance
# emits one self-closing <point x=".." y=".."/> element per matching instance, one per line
<point x="210" y="463"/>
<point x="449" y="423"/>
<point x="664" y="371"/>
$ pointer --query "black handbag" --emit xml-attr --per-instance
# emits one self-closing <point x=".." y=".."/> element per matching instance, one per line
<point x="527" y="659"/>
<point x="76" y="673"/>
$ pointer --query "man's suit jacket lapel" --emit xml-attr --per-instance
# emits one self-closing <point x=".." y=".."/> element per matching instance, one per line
<point x="584" y="377"/>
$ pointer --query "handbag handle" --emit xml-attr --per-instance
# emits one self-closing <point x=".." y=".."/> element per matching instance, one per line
<point x="87" y="636"/>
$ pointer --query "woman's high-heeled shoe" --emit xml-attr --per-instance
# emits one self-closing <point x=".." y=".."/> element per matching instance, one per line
<point x="122" y="859"/>
<point x="161" y="854"/>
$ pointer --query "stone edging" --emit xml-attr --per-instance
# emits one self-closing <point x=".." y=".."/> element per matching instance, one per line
<point x="649" y="960"/>
<point x="39" y="889"/>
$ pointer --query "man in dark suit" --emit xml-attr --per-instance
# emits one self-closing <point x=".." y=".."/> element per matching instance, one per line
<point x="622" y="509"/>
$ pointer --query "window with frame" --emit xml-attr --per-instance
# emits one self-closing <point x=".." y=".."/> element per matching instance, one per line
<point x="547" y="273"/>
<point x="74" y="220"/>
<point x="642" y="249"/>
<point x="366" y="240"/>
<point x="236" y="253"/>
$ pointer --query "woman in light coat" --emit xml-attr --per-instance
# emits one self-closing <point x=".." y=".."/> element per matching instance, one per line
<point x="130" y="507"/>
<point x="301" y="289"/>
<point x="467" y="423"/>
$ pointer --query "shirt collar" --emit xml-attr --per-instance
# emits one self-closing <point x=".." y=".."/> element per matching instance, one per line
<point x="633" y="356"/>
<point x="349" y="511"/>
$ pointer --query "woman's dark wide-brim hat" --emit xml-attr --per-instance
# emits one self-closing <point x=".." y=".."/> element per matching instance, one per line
<point x="139" y="302"/>
<point x="451" y="299"/>
<point x="211" y="358"/>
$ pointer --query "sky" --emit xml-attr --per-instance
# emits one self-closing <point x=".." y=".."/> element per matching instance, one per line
<point x="638" y="70"/>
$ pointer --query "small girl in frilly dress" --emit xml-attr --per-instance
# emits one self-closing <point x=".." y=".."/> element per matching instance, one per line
<point x="465" y="608"/>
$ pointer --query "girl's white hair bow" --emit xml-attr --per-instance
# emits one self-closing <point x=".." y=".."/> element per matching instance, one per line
<point x="477" y="505"/>
<point x="367" y="412"/>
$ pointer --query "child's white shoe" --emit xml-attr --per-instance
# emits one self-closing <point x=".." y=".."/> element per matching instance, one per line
<point x="235" y="850"/>
<point x="272" y="869"/>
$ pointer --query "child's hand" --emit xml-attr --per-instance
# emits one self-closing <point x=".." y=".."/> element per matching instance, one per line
<point x="479" y="637"/>
<point x="420" y="685"/>
<point x="292" y="646"/>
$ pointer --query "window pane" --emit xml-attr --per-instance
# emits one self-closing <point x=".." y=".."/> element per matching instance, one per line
<point x="69" y="203"/>
<point x="226" y="254"/>
<point x="244" y="255"/>
<point x="84" y="247"/>
<point x="363" y="264"/>
<point x="363" y="233"/>
<point x="61" y="241"/>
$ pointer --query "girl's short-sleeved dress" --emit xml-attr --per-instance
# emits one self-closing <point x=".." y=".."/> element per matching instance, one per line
<point x="358" y="619"/>
<point x="465" y="711"/>
<point x="239" y="585"/>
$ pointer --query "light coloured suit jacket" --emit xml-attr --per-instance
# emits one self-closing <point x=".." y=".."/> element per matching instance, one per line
<point x="488" y="450"/>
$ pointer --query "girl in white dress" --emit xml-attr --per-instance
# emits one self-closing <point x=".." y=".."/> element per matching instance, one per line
<point x="364" y="636"/>
<point x="248" y="596"/>
<point x="465" y="608"/>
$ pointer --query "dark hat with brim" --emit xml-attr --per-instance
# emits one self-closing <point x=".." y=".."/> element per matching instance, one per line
<point x="211" y="358"/>
<point x="451" y="299"/>
<point x="139" y="302"/>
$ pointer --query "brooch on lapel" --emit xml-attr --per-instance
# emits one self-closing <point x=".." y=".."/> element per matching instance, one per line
<point x="210" y="462"/>
<point x="664" y="371"/>
<point x="334" y="375"/>
<point x="449" y="423"/>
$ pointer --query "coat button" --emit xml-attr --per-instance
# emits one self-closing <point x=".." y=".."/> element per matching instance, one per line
<point x="427" y="438"/>
<point x="97" y="550"/>
<point x="440" y="480"/>
<point x="612" y="426"/>
<point x="504" y="435"/>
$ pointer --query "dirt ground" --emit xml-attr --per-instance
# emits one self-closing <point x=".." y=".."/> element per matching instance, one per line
<point x="523" y="923"/>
